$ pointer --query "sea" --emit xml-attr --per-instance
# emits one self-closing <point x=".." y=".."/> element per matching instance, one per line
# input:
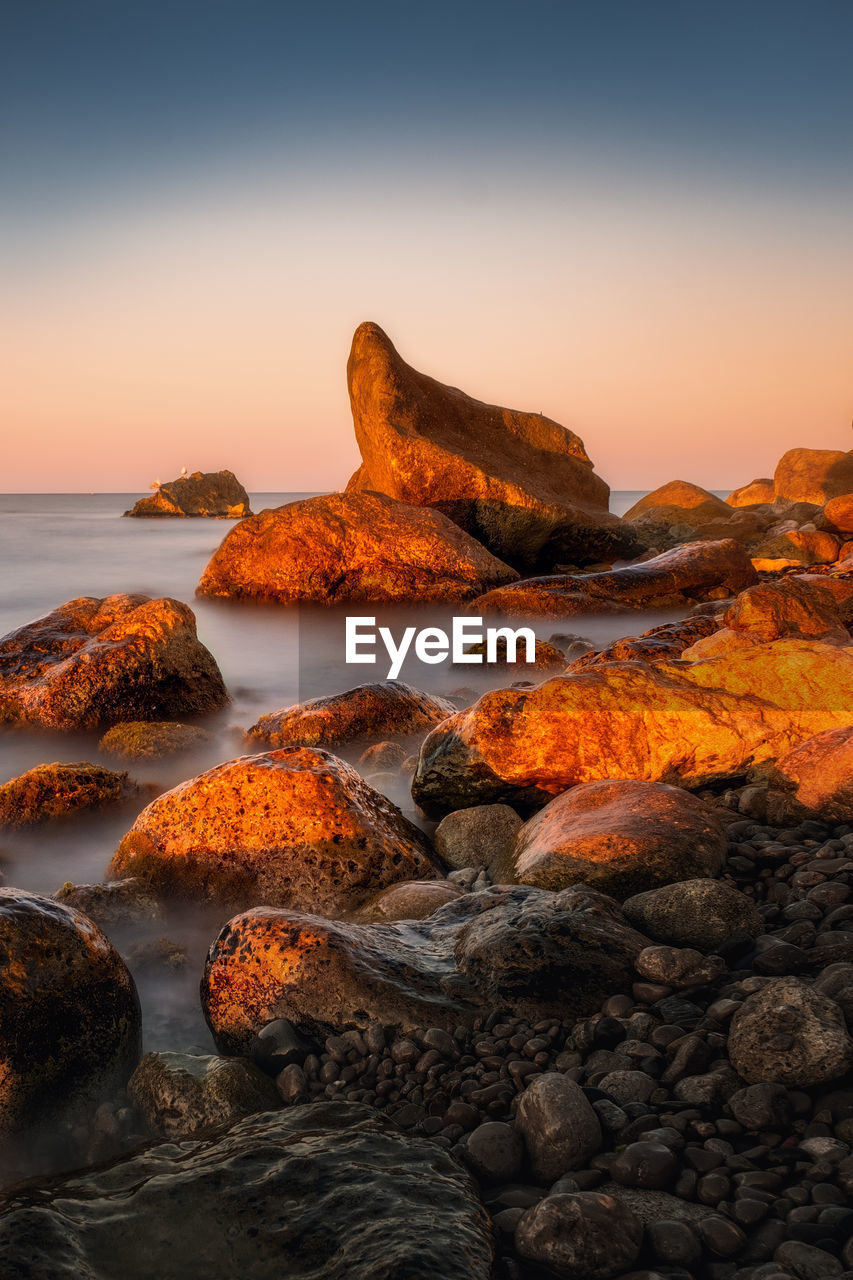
<point x="54" y="547"/>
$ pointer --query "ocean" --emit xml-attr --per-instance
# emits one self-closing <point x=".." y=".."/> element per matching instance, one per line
<point x="54" y="547"/>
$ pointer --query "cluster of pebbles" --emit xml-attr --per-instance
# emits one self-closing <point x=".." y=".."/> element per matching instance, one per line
<point x="627" y="1144"/>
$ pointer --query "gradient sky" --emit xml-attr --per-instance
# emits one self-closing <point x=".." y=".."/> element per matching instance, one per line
<point x="635" y="216"/>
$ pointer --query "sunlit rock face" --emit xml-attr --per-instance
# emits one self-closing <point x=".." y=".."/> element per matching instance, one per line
<point x="621" y="836"/>
<point x="813" y="475"/>
<point x="56" y="790"/>
<point x="209" y="493"/>
<point x="518" y="482"/>
<point x="657" y="645"/>
<point x="756" y="493"/>
<point x="679" y="511"/>
<point x="838" y="513"/>
<point x="536" y="953"/>
<point x="385" y="709"/>
<point x="358" y="547"/>
<point x="792" y="606"/>
<point x="93" y="662"/>
<point x="677" y="722"/>
<point x="69" y="1012"/>
<point x="817" y="776"/>
<point x="697" y="571"/>
<point x="295" y="827"/>
<point x="329" y="1191"/>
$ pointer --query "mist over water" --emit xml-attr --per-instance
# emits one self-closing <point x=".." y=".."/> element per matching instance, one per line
<point x="54" y="547"/>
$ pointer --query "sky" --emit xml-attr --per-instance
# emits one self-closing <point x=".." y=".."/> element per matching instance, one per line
<point x="632" y="215"/>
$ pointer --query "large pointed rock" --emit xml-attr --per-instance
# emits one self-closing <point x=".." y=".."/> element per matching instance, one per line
<point x="354" y="547"/>
<point x="518" y="482"/>
<point x="296" y="827"/>
<point x="94" y="662"/>
<point x="535" y="953"/>
<point x="678" y="722"/>
<point x="330" y="1191"/>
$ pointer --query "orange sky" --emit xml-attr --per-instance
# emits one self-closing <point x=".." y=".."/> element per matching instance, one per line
<point x="684" y="329"/>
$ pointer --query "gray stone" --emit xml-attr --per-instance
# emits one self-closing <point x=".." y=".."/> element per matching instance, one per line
<point x="580" y="1236"/>
<point x="495" y="1152"/>
<point x="558" y="1124"/>
<point x="477" y="837"/>
<point x="182" y="1095"/>
<point x="789" y="1033"/>
<point x="694" y="913"/>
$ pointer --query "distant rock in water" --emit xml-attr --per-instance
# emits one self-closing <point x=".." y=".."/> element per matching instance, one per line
<point x="329" y="1190"/>
<point x="365" y="712"/>
<point x="294" y="827"/>
<point x="518" y="482"/>
<point x="536" y="953"/>
<point x="93" y="662"/>
<point x="69" y="1012"/>
<point x="211" y="493"/>
<point x="356" y="547"/>
<point x="54" y="790"/>
<point x="152" y="740"/>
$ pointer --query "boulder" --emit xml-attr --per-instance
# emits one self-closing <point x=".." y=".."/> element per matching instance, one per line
<point x="697" y="571"/>
<point x="478" y="837"/>
<point x="813" y="475"/>
<point x="94" y="662"/>
<point x="685" y="723"/>
<point x="144" y="740"/>
<point x="681" y="512"/>
<point x="620" y="836"/>
<point x="659" y="644"/>
<point x="518" y="482"/>
<point x="794" y="547"/>
<point x="328" y="1191"/>
<point x="583" y="1235"/>
<point x="560" y="1129"/>
<point x="294" y="827"/>
<point x="756" y="493"/>
<point x="355" y="547"/>
<point x="535" y="953"/>
<point x="788" y="1033"/>
<point x="411" y="900"/>
<point x="122" y="902"/>
<point x="838" y="513"/>
<point x="694" y="913"/>
<point x="791" y="606"/>
<point x="183" y="1095"/>
<point x="818" y="774"/>
<point x="209" y="493"/>
<point x="387" y="708"/>
<point x="69" y="1012"/>
<point x="56" y="790"/>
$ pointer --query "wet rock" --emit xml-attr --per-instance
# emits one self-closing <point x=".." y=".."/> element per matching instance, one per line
<point x="279" y="1045"/>
<point x="617" y="836"/>
<point x="694" y="913"/>
<point x="357" y="547"/>
<point x="836" y="982"/>
<point x="651" y="1206"/>
<point x="682" y="722"/>
<point x="122" y="902"/>
<point x="209" y="493"/>
<point x="806" y="1262"/>
<point x="762" y="1106"/>
<point x="144" y="740"/>
<point x="368" y="711"/>
<point x="518" y="482"/>
<point x="411" y="900"/>
<point x="294" y="826"/>
<point x="481" y="836"/>
<point x="92" y="663"/>
<point x="813" y="475"/>
<point x="645" y="1164"/>
<point x="534" y="953"/>
<point x="659" y="644"/>
<point x="561" y="1131"/>
<point x="315" y="1171"/>
<point x="678" y="966"/>
<point x="693" y="572"/>
<point x="789" y="1034"/>
<point x="69" y="1012"/>
<point x="57" y="790"/>
<point x="580" y="1236"/>
<point x="494" y="1152"/>
<point x="182" y="1095"/>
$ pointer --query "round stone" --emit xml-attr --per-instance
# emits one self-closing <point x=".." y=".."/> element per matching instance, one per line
<point x="580" y="1236"/>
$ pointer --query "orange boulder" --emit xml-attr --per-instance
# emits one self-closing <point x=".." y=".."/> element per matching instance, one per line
<point x="387" y="708"/>
<point x="756" y="493"/>
<point x="813" y="475"/>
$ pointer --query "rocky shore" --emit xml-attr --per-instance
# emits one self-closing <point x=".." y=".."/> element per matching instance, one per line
<point x="589" y="1016"/>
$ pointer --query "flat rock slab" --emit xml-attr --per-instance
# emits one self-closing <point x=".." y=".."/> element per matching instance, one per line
<point x="518" y="482"/>
<point x="343" y="548"/>
<point x="297" y="827"/>
<point x="387" y="708"/>
<point x="94" y="662"/>
<point x="535" y="953"/>
<point x="697" y="571"/>
<point x="330" y="1191"/>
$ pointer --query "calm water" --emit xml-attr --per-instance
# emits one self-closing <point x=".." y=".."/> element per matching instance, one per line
<point x="54" y="547"/>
